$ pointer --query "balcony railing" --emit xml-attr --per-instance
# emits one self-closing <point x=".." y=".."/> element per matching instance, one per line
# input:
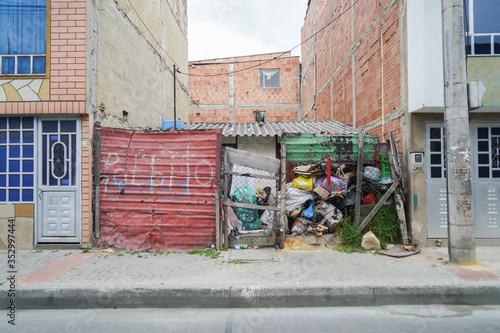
<point x="484" y="44"/>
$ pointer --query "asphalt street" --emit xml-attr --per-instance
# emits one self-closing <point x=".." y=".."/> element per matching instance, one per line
<point x="415" y="319"/>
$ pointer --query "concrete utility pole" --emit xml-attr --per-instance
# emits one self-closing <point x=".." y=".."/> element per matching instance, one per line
<point x="461" y="231"/>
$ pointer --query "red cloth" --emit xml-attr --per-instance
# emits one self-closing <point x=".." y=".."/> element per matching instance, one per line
<point x="328" y="173"/>
<point x="370" y="199"/>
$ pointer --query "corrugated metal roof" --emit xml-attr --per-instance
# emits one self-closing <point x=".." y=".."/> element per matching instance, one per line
<point x="275" y="128"/>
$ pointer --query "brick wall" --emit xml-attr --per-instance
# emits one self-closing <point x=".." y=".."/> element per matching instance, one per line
<point x="210" y="96"/>
<point x="67" y="68"/>
<point x="67" y="51"/>
<point x="333" y="57"/>
<point x="65" y="91"/>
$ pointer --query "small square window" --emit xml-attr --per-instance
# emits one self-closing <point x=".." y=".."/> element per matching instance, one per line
<point x="269" y="78"/>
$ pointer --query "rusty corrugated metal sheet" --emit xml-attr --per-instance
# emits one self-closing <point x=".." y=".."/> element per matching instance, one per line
<point x="313" y="148"/>
<point x="157" y="190"/>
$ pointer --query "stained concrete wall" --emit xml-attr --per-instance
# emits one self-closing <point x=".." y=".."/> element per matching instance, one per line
<point x="137" y="46"/>
<point x="22" y="216"/>
<point x="487" y="70"/>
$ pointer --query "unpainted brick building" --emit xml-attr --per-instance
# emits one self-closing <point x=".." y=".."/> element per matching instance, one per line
<point x="229" y="90"/>
<point x="378" y="64"/>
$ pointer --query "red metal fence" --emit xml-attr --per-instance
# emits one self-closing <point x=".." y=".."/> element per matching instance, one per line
<point x="157" y="190"/>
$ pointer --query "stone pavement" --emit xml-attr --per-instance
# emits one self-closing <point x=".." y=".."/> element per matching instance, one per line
<point x="265" y="277"/>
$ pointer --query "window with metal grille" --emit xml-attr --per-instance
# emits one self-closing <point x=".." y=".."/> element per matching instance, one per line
<point x="483" y="27"/>
<point x="23" y="37"/>
<point x="488" y="152"/>
<point x="437" y="150"/>
<point x="17" y="159"/>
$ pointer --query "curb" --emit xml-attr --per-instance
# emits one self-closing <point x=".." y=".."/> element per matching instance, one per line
<point x="254" y="297"/>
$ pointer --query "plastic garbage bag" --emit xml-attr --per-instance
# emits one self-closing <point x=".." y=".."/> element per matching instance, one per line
<point x="371" y="173"/>
<point x="296" y="198"/>
<point x="337" y="184"/>
<point x="233" y="219"/>
<point x="304" y="183"/>
<point x="248" y="217"/>
<point x="299" y="227"/>
<point x="327" y="210"/>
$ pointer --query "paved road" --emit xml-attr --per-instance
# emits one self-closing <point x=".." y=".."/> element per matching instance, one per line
<point x="340" y="319"/>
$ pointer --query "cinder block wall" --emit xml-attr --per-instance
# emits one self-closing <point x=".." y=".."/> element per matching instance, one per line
<point x="220" y="97"/>
<point x="348" y="74"/>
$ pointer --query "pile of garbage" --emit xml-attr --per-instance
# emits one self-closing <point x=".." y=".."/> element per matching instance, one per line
<point x="321" y="195"/>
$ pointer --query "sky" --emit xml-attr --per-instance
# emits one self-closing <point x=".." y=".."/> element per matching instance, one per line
<point x="227" y="28"/>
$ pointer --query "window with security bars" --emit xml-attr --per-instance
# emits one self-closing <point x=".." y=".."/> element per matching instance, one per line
<point x="23" y="37"/>
<point x="488" y="152"/>
<point x="437" y="151"/>
<point x="17" y="159"/>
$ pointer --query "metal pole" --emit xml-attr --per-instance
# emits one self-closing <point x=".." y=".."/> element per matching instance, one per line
<point x="461" y="231"/>
<point x="175" y="99"/>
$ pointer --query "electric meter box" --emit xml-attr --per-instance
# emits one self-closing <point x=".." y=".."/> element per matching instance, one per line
<point x="417" y="161"/>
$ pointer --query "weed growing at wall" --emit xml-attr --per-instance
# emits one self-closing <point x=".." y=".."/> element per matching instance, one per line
<point x="385" y="226"/>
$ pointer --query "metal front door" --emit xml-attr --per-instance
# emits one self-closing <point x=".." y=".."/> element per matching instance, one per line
<point x="486" y="178"/>
<point x="435" y="181"/>
<point x="59" y="181"/>
<point x="485" y="150"/>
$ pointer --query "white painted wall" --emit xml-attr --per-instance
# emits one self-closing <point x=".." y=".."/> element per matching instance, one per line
<point x="265" y="146"/>
<point x="425" y="56"/>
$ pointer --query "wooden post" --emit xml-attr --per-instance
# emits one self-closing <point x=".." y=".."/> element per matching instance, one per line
<point x="217" y="220"/>
<point x="359" y="176"/>
<point x="283" y="220"/>
<point x="397" y="195"/>
<point x="225" y="228"/>
<point x="97" y="184"/>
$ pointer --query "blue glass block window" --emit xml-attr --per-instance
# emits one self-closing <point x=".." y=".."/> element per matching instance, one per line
<point x="23" y="42"/>
<point x="17" y="160"/>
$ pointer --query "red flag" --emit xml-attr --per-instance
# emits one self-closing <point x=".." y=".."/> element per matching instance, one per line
<point x="328" y="172"/>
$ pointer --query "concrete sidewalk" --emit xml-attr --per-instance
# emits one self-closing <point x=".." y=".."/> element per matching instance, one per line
<point x="316" y="276"/>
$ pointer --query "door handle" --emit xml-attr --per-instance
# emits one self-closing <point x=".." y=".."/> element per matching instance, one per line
<point x="40" y="194"/>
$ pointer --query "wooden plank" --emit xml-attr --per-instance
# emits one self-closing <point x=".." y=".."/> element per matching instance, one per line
<point x="97" y="183"/>
<point x="252" y="175"/>
<point x="252" y="160"/>
<point x="402" y="217"/>
<point x="217" y="220"/>
<point x="283" y="218"/>
<point x="359" y="176"/>
<point x="379" y="205"/>
<point x="397" y="161"/>
<point x="400" y="208"/>
<point x="248" y="206"/>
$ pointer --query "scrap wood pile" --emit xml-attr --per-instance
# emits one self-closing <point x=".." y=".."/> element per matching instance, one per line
<point x="322" y="194"/>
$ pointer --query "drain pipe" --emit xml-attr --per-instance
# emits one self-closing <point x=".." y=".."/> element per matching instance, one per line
<point x="175" y="99"/>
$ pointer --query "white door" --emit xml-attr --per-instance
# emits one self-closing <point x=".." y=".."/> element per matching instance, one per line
<point x="59" y="181"/>
<point x="486" y="178"/>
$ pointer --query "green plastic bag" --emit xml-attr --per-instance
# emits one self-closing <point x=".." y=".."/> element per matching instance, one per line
<point x="248" y="217"/>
